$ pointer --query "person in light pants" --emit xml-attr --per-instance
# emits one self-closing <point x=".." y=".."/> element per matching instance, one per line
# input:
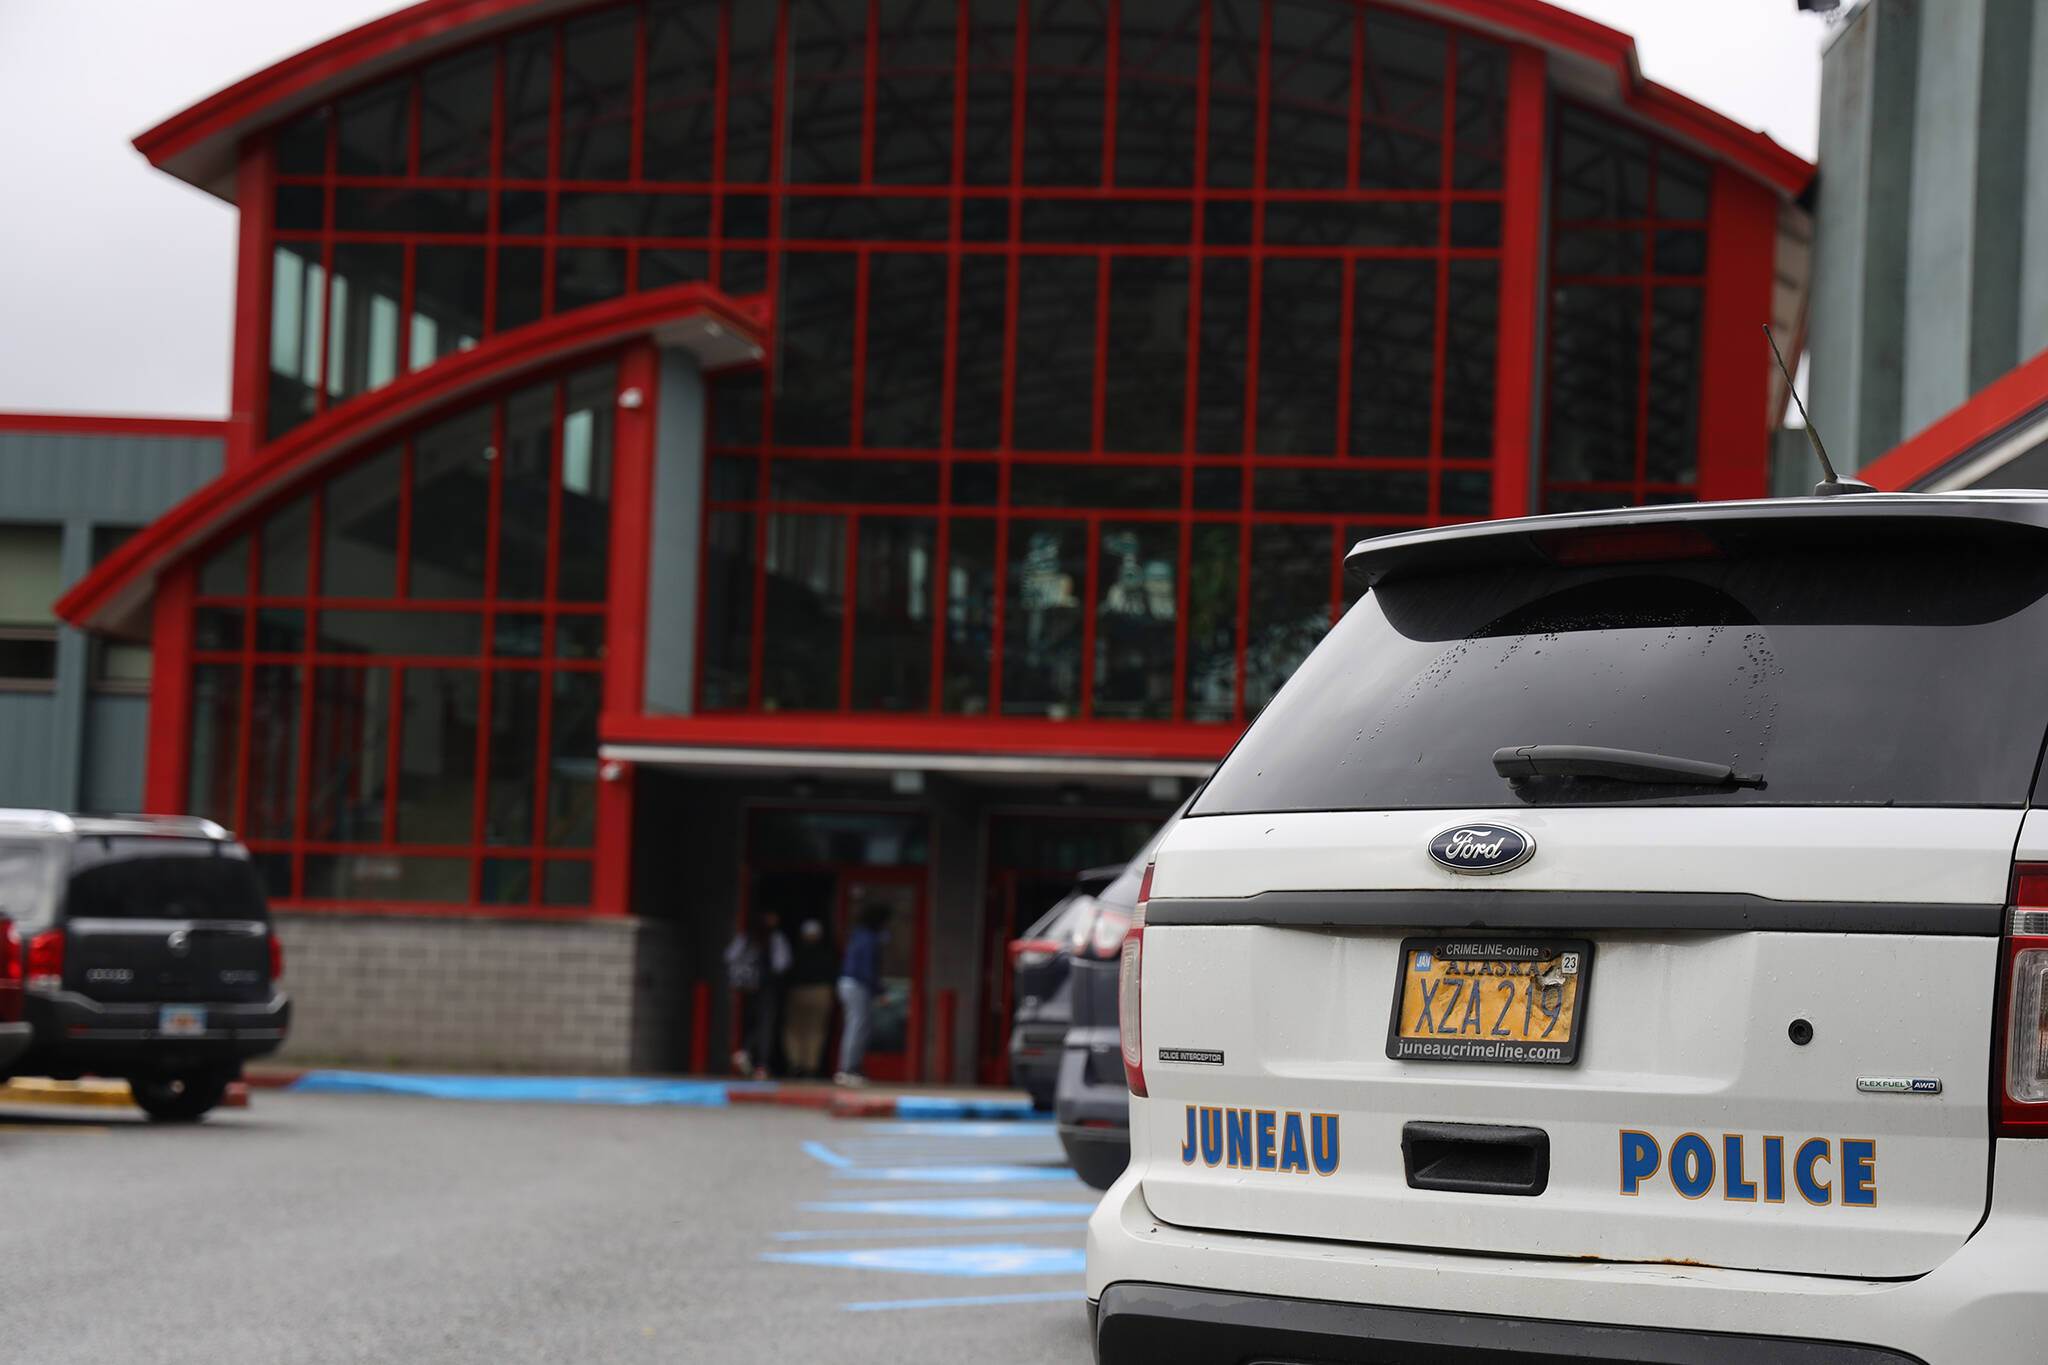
<point x="807" y="999"/>
<point x="860" y="983"/>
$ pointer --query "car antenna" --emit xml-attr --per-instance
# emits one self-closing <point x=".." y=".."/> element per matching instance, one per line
<point x="1833" y="485"/>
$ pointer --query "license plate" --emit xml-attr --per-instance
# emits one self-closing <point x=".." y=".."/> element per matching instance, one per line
<point x="181" y="1021"/>
<point x="1490" y="1000"/>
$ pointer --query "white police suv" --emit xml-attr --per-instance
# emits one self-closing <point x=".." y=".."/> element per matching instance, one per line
<point x="1624" y="939"/>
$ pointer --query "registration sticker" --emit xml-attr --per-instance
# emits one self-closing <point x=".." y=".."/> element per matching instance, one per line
<point x="181" y="1021"/>
<point x="1480" y="999"/>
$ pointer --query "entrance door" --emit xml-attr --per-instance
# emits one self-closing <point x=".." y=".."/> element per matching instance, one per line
<point x="896" y="1042"/>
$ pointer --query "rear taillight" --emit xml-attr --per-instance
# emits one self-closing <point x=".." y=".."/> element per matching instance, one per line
<point x="276" y="958"/>
<point x="1130" y="992"/>
<point x="2022" y="1103"/>
<point x="46" y="960"/>
<point x="10" y="972"/>
<point x="1108" y="935"/>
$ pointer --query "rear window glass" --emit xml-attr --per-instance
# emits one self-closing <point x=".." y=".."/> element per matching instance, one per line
<point x="1894" y="670"/>
<point x="161" y="879"/>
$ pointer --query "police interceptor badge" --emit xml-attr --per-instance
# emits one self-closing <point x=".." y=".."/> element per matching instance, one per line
<point x="1481" y="850"/>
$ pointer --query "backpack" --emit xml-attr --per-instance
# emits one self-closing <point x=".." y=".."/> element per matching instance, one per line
<point x="743" y="966"/>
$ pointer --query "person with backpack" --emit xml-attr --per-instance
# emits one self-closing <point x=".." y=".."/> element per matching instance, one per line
<point x="756" y="962"/>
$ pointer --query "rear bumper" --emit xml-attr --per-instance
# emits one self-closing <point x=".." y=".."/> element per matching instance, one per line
<point x="1984" y="1306"/>
<point x="14" y="1040"/>
<point x="1035" y="1057"/>
<point x="1146" y="1322"/>
<point x="74" y="1034"/>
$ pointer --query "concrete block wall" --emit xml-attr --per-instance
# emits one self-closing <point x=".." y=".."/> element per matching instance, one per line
<point x="381" y="990"/>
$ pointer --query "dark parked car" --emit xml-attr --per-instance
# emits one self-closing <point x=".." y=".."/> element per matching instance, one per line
<point x="1091" y="1100"/>
<point x="15" y="1032"/>
<point x="145" y="952"/>
<point x="1038" y="975"/>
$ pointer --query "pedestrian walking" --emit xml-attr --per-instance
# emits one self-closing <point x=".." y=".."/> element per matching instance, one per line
<point x="757" y="962"/>
<point x="860" y="986"/>
<point x="807" y="1003"/>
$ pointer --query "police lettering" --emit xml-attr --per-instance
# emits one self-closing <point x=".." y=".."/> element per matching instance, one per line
<point x="1261" y="1140"/>
<point x="1824" y="1171"/>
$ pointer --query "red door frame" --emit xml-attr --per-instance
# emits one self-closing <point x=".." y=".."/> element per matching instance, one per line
<point x="908" y="1065"/>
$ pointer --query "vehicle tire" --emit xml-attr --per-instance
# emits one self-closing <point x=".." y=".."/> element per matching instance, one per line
<point x="181" y="1098"/>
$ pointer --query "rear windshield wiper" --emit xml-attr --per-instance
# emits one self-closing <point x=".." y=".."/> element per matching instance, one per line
<point x="1622" y="765"/>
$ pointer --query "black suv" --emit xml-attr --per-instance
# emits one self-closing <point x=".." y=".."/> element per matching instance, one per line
<point x="143" y="949"/>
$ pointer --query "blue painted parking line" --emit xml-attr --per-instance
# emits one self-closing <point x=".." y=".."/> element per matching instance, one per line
<point x="524" y="1089"/>
<point x="937" y="1107"/>
<point x="818" y="1151"/>
<point x="973" y="1230"/>
<point x="961" y="1175"/>
<point x="972" y="1301"/>
<point x="959" y="1208"/>
<point x="973" y="1261"/>
<point x="989" y="1128"/>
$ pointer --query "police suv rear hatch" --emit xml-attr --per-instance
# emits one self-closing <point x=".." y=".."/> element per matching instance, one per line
<point x="1627" y="1009"/>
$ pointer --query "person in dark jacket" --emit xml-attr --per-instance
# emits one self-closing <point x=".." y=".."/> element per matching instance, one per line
<point x="860" y="982"/>
<point x="807" y="999"/>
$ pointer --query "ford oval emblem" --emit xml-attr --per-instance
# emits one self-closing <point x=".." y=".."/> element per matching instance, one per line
<point x="1477" y="850"/>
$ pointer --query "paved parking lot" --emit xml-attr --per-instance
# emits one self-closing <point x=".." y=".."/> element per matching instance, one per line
<point x="359" y="1228"/>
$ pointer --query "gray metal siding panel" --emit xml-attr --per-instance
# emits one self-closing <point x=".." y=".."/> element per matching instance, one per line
<point x="66" y="748"/>
<point x="116" y="735"/>
<point x="31" y="751"/>
<point x="110" y="480"/>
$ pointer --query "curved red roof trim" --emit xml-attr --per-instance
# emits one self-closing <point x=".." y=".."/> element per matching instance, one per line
<point x="2016" y="394"/>
<point x="111" y="596"/>
<point x="199" y="145"/>
<point x="100" y="424"/>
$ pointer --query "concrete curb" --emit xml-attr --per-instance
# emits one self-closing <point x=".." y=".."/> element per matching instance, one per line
<point x="93" y="1093"/>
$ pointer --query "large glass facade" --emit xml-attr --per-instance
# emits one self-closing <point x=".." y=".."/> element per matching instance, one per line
<point x="1083" y="388"/>
<point x="397" y="672"/>
<point x="1101" y="328"/>
<point x="1628" y="267"/>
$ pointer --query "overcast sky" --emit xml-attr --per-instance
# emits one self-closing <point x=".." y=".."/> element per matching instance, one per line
<point x="117" y="281"/>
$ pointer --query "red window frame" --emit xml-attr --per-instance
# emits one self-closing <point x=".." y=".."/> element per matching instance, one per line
<point x="552" y="609"/>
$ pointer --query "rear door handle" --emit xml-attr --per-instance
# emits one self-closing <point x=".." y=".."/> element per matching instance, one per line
<point x="1476" y="1158"/>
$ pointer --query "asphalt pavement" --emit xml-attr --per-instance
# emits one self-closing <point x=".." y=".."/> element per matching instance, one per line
<point x="373" y="1228"/>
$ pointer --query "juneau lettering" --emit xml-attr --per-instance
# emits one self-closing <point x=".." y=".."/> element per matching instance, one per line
<point x="1285" y="1143"/>
<point x="1825" y="1171"/>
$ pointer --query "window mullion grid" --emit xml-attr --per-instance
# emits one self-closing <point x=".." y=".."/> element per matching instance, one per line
<point x="1441" y="332"/>
<point x="942" y="545"/>
<point x="636" y="117"/>
<point x="1346" y="322"/>
<point x="246" y="668"/>
<point x="1647" y="302"/>
<point x="1098" y="393"/>
<point x="552" y="224"/>
<point x="394" y="724"/>
<point x="999" y="613"/>
<point x="870" y="57"/>
<point x="1255" y="316"/>
<point x="545" y="740"/>
<point x="1111" y="56"/>
<point x="1091" y="596"/>
<point x="863" y="258"/>
<point x="302" y="812"/>
<point x="1192" y="369"/>
<point x="851" y="521"/>
<point x="721" y="92"/>
<point x="486" y="674"/>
